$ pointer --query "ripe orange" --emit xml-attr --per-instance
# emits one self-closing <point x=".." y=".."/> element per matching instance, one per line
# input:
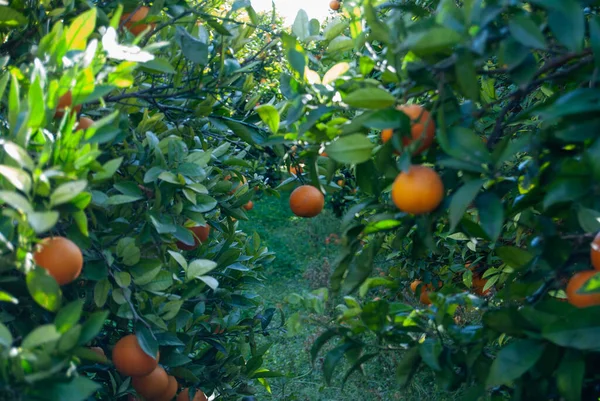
<point x="169" y="392"/>
<point x="249" y="205"/>
<point x="236" y="185"/>
<point x="65" y="102"/>
<point x="595" y="252"/>
<point x="84" y="123"/>
<point x="478" y="285"/>
<point x="575" y="283"/>
<point x="132" y="24"/>
<point x="335" y="5"/>
<point x="424" y="298"/>
<point x="130" y="359"/>
<point x="61" y="258"/>
<point x="306" y="201"/>
<point x="200" y="234"/>
<point x="340" y="183"/>
<point x="152" y="385"/>
<point x="185" y="396"/>
<point x="418" y="191"/>
<point x="422" y="128"/>
<point x="296" y="170"/>
<point x="414" y="285"/>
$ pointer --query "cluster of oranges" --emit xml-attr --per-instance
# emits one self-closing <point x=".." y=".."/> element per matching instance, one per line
<point x="148" y="379"/>
<point x="579" y="279"/>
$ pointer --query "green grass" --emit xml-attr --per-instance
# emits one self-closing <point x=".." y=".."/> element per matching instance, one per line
<point x="300" y="245"/>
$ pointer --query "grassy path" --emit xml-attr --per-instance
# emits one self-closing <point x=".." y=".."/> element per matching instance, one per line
<point x="303" y="252"/>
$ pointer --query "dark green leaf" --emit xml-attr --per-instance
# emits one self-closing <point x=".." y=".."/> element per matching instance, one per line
<point x="525" y="31"/>
<point x="570" y="374"/>
<point x="461" y="200"/>
<point x="332" y="360"/>
<point x="355" y="148"/>
<point x="44" y="289"/>
<point x="491" y="214"/>
<point x="514" y="360"/>
<point x="92" y="326"/>
<point x="68" y="315"/>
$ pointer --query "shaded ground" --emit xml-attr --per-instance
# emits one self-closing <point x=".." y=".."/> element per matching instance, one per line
<point x="304" y="248"/>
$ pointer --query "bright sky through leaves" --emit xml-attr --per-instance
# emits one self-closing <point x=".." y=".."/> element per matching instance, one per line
<point x="318" y="9"/>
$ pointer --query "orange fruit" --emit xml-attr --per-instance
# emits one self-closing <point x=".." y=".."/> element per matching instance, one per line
<point x="151" y="385"/>
<point x="132" y="23"/>
<point x="414" y="285"/>
<point x="200" y="234"/>
<point x="237" y="185"/>
<point x="595" y="252"/>
<point x="130" y="359"/>
<point x="575" y="283"/>
<point x="323" y="154"/>
<point x="84" y="123"/>
<point x="169" y="392"/>
<point x="65" y="102"/>
<point x="340" y="183"/>
<point x="185" y="396"/>
<point x="306" y="201"/>
<point x="296" y="170"/>
<point x="418" y="191"/>
<point x="61" y="258"/>
<point x="422" y="128"/>
<point x="424" y="298"/>
<point x="335" y="5"/>
<point x="478" y="285"/>
<point x="249" y="205"/>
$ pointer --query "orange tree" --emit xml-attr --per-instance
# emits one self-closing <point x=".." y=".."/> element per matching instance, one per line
<point x="125" y="163"/>
<point x="500" y="208"/>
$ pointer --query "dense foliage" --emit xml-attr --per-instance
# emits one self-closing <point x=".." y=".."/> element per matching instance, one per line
<point x="512" y="87"/>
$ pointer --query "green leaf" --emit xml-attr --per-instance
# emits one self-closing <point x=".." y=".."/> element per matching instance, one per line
<point x="37" y="108"/>
<point x="68" y="315"/>
<point x="408" y="366"/>
<point x="491" y="214"/>
<point x="578" y="330"/>
<point x="17" y="177"/>
<point x="526" y="32"/>
<point x="321" y="341"/>
<point x="158" y="66"/>
<point x="147" y="340"/>
<point x="6" y="339"/>
<point x="340" y="44"/>
<point x="122" y="199"/>
<point x="589" y="219"/>
<point x="19" y="155"/>
<point x="334" y="28"/>
<point x="193" y="49"/>
<point x="68" y="340"/>
<point x="78" y="389"/>
<point x="461" y="200"/>
<point x="42" y="221"/>
<point x="270" y="116"/>
<point x="300" y="26"/>
<point x="92" y="326"/>
<point x="66" y="192"/>
<point x="355" y="148"/>
<point x="101" y="290"/>
<point x="565" y="190"/>
<point x="247" y="133"/>
<point x="462" y="143"/>
<point x="514" y="360"/>
<point x="430" y="351"/>
<point x="332" y="360"/>
<point x="80" y="30"/>
<point x="370" y="98"/>
<point x="466" y="76"/>
<point x="431" y="41"/>
<point x="11" y="18"/>
<point x="44" y="289"/>
<point x="209" y="281"/>
<point x="566" y="20"/>
<point x="595" y="37"/>
<point x="15" y="200"/>
<point x="200" y="267"/>
<point x="513" y="256"/>
<point x="570" y="375"/>
<point x="40" y="335"/>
